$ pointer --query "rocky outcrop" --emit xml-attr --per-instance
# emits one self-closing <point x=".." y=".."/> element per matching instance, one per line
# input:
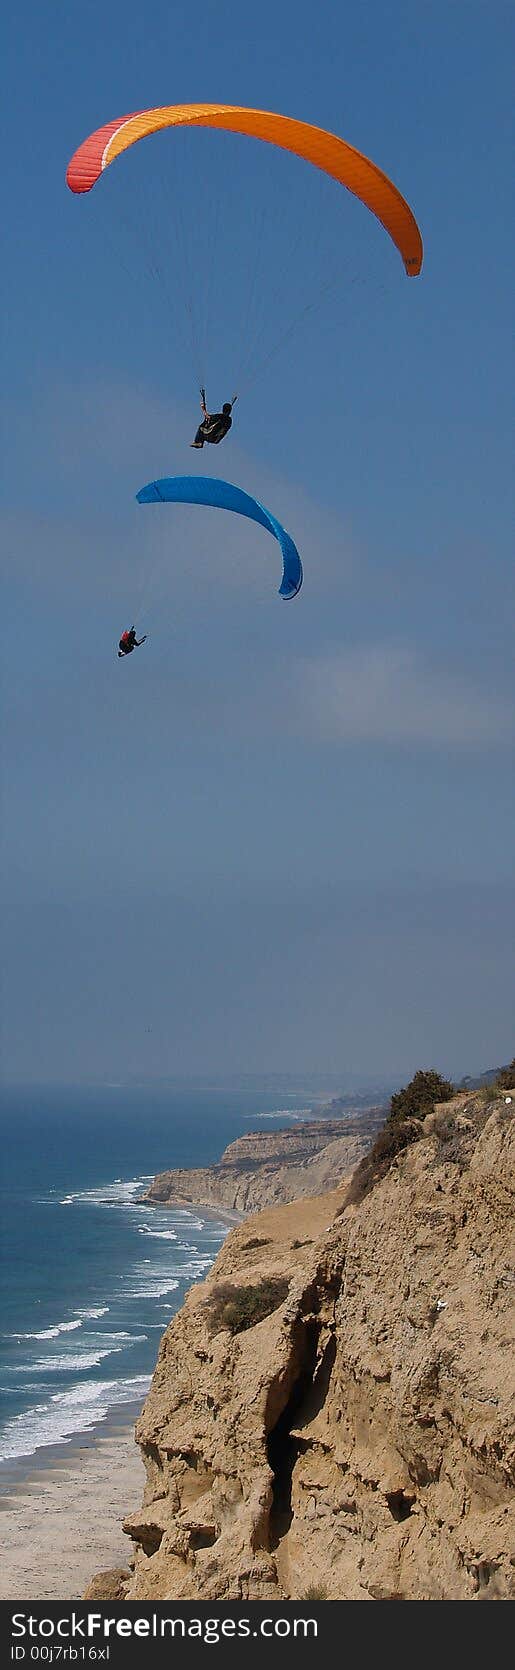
<point x="359" y="1439"/>
<point x="108" y="1585"/>
<point x="265" y="1167"/>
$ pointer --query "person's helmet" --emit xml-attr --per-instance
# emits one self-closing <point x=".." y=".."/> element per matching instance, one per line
<point x="227" y="406"/>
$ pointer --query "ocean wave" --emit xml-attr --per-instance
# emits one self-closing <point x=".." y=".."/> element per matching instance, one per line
<point x="149" y="1287"/>
<point x="216" y="1232"/>
<point x="49" y="1333"/>
<point x="196" y="1266"/>
<point x="158" y="1234"/>
<point x="66" y="1413"/>
<point x="92" y="1352"/>
<point x="179" y="1218"/>
<point x="90" y="1314"/>
<point x="133" y="1339"/>
<point x="163" y="1284"/>
<point x="26" y="1386"/>
<point x="123" y="1193"/>
<point x="93" y="1313"/>
<point x="283" y="1113"/>
<point x="69" y="1362"/>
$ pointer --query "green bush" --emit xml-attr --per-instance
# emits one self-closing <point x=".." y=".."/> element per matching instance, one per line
<point x="316" y="1591"/>
<point x="391" y="1141"/>
<point x="239" y="1308"/>
<point x="418" y="1098"/>
<point x="408" y="1107"/>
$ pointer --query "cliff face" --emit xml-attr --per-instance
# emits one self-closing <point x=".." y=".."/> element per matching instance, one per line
<point x="265" y="1167"/>
<point x="360" y="1437"/>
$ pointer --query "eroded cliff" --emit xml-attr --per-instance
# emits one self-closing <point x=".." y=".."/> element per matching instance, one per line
<point x="265" y="1167"/>
<point x="360" y="1437"/>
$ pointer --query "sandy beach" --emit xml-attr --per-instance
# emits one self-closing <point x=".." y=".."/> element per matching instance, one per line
<point x="62" y="1523"/>
<point x="61" y="1507"/>
<point x="220" y="1214"/>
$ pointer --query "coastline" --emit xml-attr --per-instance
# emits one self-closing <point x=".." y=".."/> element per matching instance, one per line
<point x="219" y="1214"/>
<point x="22" y="1472"/>
<point x="61" y="1521"/>
<point x="61" y="1507"/>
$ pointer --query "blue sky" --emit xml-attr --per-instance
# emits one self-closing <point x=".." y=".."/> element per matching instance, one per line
<point x="281" y="836"/>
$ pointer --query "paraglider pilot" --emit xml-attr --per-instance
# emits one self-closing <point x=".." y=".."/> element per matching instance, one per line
<point x="129" y="641"/>
<point x="215" y="425"/>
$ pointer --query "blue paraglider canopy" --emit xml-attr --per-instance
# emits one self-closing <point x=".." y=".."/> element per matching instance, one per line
<point x="207" y="490"/>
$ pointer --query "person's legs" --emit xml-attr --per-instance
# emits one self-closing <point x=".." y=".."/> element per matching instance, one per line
<point x="199" y="437"/>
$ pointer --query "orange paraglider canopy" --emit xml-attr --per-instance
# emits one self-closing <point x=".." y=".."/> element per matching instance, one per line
<point x="346" y="165"/>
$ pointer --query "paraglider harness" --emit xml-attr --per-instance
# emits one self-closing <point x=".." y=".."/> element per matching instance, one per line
<point x="216" y="426"/>
<point x="129" y="641"/>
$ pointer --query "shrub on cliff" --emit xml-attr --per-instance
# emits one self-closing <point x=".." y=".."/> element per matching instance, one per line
<point x="390" y="1142"/>
<point x="255" y="1241"/>
<point x="402" y="1127"/>
<point x="506" y="1078"/>
<point x="238" y="1308"/>
<point x="418" y="1098"/>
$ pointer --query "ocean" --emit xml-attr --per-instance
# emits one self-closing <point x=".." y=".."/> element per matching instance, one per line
<point x="90" y="1277"/>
